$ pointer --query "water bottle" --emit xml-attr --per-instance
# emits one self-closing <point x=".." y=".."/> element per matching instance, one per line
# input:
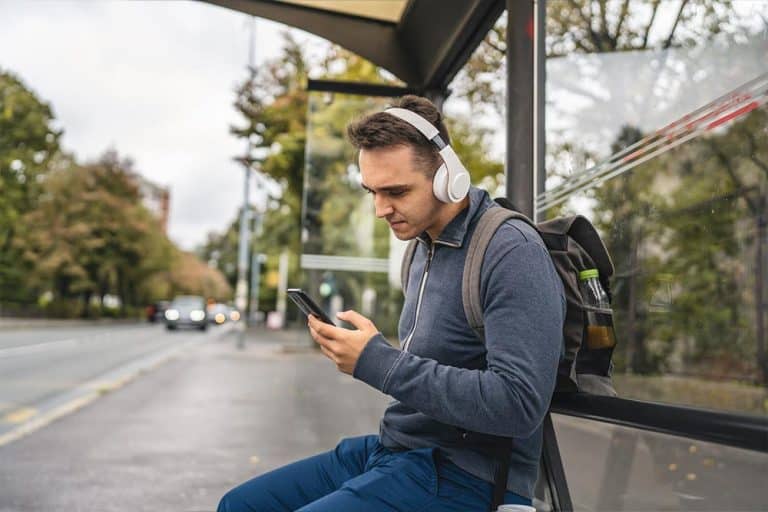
<point x="599" y="331"/>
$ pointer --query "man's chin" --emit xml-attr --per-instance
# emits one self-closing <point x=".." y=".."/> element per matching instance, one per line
<point x="402" y="234"/>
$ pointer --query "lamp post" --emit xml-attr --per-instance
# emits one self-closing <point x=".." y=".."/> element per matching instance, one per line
<point x="241" y="287"/>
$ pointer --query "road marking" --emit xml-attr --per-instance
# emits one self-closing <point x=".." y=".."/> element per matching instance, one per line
<point x="91" y="390"/>
<point x="43" y="420"/>
<point x="36" y="347"/>
<point x="107" y="386"/>
<point x="66" y="342"/>
<point x="20" y="415"/>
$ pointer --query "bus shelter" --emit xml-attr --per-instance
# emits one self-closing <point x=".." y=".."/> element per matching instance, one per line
<point x="425" y="43"/>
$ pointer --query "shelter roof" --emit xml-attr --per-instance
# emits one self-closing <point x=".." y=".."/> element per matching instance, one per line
<point x="422" y="42"/>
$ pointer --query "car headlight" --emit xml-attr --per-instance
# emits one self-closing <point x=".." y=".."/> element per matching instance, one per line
<point x="219" y="318"/>
<point x="197" y="315"/>
<point x="234" y="316"/>
<point x="171" y="314"/>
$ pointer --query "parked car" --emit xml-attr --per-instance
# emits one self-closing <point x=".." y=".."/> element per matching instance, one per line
<point x="156" y="310"/>
<point x="186" y="311"/>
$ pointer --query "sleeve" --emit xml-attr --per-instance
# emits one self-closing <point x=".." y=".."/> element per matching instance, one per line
<point x="523" y="313"/>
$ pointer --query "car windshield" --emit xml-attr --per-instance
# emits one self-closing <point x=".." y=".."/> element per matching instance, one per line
<point x="188" y="302"/>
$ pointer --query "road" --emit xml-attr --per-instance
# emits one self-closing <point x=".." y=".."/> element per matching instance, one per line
<point x="146" y="420"/>
<point x="39" y="365"/>
<point x="179" y="434"/>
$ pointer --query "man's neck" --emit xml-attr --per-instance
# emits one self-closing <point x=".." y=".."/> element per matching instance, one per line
<point x="448" y="213"/>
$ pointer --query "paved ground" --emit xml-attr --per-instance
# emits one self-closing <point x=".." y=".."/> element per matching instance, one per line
<point x="179" y="436"/>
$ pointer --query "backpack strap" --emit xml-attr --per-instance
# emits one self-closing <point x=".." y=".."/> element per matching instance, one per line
<point x="487" y="226"/>
<point x="489" y="222"/>
<point x="405" y="266"/>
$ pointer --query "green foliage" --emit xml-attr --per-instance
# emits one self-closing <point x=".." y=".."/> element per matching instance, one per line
<point x="28" y="145"/>
<point x="686" y="226"/>
<point x="92" y="236"/>
<point x="600" y="26"/>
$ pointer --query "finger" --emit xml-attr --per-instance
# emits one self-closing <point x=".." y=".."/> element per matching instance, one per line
<point x="327" y="330"/>
<point x="330" y="355"/>
<point x="356" y="319"/>
<point x="320" y="339"/>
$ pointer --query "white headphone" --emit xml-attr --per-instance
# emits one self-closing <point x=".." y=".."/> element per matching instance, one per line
<point x="451" y="181"/>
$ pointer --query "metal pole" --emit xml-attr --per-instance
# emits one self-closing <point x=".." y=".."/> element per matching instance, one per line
<point x="241" y="288"/>
<point x="256" y="261"/>
<point x="520" y="105"/>
<point x="282" y="270"/>
<point x="539" y="92"/>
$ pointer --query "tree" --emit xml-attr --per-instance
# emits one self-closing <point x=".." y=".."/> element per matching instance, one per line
<point x="90" y="235"/>
<point x="29" y="143"/>
<point x="600" y="26"/>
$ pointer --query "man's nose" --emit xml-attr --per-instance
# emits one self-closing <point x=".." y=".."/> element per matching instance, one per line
<point x="382" y="206"/>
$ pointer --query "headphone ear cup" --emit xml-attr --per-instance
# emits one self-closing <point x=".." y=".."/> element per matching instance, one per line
<point x="440" y="184"/>
<point x="459" y="186"/>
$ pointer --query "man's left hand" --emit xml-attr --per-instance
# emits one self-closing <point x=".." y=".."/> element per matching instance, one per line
<point x="343" y="346"/>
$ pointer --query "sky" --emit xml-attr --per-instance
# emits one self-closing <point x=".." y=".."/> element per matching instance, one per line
<point x="153" y="80"/>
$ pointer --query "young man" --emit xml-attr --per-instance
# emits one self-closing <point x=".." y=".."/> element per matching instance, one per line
<point x="444" y="379"/>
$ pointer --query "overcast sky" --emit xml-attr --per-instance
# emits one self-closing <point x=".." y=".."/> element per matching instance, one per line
<point x="155" y="81"/>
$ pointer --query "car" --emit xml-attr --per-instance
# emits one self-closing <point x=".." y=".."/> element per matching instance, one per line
<point x="156" y="310"/>
<point x="186" y="311"/>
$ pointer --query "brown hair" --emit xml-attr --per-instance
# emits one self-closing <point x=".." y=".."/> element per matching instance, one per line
<point x="382" y="130"/>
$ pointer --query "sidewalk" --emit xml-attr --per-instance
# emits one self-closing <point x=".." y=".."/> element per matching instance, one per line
<point x="184" y="433"/>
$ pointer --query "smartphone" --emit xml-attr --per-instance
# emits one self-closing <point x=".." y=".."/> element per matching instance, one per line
<point x="307" y="305"/>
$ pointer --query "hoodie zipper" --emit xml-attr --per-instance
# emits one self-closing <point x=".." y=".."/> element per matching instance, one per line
<point x="422" y="285"/>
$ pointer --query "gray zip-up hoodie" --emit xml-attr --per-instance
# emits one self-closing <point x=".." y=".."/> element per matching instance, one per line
<point x="445" y="377"/>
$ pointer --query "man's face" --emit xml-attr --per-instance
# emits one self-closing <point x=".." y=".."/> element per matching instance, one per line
<point x="402" y="194"/>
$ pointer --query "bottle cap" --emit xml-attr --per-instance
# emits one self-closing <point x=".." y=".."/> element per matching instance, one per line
<point x="588" y="274"/>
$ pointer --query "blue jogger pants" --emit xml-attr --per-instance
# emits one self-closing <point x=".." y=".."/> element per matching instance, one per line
<point x="362" y="475"/>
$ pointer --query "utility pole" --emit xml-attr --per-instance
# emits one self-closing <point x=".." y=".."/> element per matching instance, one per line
<point x="241" y="288"/>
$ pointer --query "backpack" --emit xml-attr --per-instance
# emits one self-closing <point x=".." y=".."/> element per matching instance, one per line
<point x="574" y="245"/>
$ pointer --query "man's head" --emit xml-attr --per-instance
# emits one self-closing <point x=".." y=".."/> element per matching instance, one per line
<point x="398" y="163"/>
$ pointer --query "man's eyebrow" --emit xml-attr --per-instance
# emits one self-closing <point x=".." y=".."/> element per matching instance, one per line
<point x="388" y="188"/>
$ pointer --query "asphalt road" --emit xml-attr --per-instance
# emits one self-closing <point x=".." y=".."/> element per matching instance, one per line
<point x="38" y="365"/>
<point x="186" y="429"/>
<point x="171" y="421"/>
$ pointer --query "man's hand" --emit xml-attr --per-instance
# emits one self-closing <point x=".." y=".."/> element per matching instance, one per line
<point x="343" y="346"/>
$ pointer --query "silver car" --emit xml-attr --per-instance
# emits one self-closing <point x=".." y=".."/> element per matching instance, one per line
<point x="186" y="311"/>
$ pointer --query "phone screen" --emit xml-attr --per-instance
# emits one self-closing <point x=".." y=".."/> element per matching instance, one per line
<point x="307" y="305"/>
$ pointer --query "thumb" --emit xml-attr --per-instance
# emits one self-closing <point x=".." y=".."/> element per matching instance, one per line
<point x="354" y="318"/>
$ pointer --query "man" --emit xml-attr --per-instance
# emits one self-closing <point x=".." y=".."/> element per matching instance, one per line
<point x="445" y="380"/>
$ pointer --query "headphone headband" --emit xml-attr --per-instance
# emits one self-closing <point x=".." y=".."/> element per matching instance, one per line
<point x="425" y="127"/>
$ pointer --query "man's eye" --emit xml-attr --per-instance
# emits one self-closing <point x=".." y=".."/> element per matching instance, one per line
<point x="396" y="193"/>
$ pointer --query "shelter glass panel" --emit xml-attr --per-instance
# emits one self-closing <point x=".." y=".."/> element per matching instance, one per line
<point x="350" y="258"/>
<point x="657" y="131"/>
<point x="609" y="467"/>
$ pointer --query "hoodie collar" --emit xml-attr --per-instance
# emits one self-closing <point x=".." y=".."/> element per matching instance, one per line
<point x="455" y="231"/>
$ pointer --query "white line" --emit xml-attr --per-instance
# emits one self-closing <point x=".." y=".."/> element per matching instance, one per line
<point x="44" y="345"/>
<point x="93" y="389"/>
<point x="36" y="347"/>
